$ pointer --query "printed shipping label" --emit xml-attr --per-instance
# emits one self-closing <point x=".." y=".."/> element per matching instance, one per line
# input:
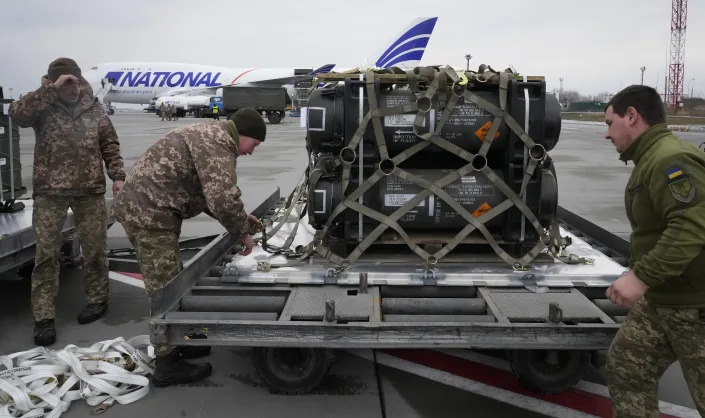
<point x="399" y="120"/>
<point x="400" y="200"/>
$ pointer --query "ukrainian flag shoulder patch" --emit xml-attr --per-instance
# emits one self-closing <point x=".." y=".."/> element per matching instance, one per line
<point x="674" y="173"/>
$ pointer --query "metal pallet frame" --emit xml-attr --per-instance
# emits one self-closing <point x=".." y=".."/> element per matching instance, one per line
<point x="334" y="331"/>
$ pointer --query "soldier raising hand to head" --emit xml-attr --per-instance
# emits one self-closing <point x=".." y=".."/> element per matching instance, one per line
<point x="74" y="137"/>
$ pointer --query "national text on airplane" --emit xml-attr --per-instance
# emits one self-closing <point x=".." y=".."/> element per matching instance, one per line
<point x="162" y="78"/>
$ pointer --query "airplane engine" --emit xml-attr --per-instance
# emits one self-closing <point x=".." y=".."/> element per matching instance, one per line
<point x="178" y="102"/>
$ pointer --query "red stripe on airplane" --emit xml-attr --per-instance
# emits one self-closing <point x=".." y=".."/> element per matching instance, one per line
<point x="240" y="75"/>
<point x="573" y="398"/>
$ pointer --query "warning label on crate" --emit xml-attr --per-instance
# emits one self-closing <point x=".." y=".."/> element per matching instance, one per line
<point x="484" y="208"/>
<point x="484" y="129"/>
<point x="394" y="100"/>
<point x="399" y="120"/>
<point x="2" y="130"/>
<point x="3" y="161"/>
<point x="399" y="199"/>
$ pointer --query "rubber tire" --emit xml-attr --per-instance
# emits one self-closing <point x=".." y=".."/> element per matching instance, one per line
<point x="573" y="364"/>
<point x="111" y="112"/>
<point x="269" y="369"/>
<point x="274" y="117"/>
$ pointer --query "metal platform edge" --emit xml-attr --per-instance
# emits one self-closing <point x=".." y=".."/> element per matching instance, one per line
<point x="386" y="335"/>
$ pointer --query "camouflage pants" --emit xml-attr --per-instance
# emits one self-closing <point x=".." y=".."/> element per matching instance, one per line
<point x="650" y="340"/>
<point x="91" y="220"/>
<point x="159" y="258"/>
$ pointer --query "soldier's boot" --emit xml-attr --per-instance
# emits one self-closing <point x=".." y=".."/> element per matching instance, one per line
<point x="192" y="351"/>
<point x="172" y="369"/>
<point x="92" y="312"/>
<point x="44" y="332"/>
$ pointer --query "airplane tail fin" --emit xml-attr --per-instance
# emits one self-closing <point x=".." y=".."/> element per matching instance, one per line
<point x="407" y="48"/>
<point x="324" y="69"/>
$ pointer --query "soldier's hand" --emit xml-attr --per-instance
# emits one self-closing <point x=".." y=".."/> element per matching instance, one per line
<point x="248" y="242"/>
<point x="626" y="290"/>
<point x="117" y="186"/>
<point x="66" y="78"/>
<point x="255" y="224"/>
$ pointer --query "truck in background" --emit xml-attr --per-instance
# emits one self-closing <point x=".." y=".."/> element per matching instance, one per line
<point x="207" y="110"/>
<point x="271" y="101"/>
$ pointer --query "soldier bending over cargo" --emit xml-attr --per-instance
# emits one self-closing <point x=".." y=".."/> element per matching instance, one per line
<point x="73" y="138"/>
<point x="188" y="171"/>
<point x="665" y="286"/>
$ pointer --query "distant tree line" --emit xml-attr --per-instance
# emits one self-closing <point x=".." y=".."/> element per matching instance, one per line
<point x="574" y="96"/>
<point x="574" y="100"/>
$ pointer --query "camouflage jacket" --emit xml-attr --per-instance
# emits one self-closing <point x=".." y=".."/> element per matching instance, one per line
<point x="188" y="171"/>
<point x="71" y="142"/>
<point x="665" y="203"/>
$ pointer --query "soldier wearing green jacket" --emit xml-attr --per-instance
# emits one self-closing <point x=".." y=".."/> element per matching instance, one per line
<point x="665" y="286"/>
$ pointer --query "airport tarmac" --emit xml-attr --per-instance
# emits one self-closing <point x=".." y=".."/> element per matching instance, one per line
<point x="591" y="181"/>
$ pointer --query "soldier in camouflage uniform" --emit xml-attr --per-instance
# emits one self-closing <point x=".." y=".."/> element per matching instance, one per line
<point x="189" y="171"/>
<point x="74" y="136"/>
<point x="162" y="111"/>
<point x="665" y="286"/>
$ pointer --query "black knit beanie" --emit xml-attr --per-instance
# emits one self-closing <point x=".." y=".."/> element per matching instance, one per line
<point x="62" y="66"/>
<point x="249" y="122"/>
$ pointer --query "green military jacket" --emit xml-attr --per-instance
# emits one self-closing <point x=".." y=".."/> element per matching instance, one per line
<point x="188" y="171"/>
<point x="71" y="142"/>
<point x="665" y="203"/>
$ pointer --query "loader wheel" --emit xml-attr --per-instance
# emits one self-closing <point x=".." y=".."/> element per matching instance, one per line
<point x="549" y="371"/>
<point x="274" y="117"/>
<point x="292" y="371"/>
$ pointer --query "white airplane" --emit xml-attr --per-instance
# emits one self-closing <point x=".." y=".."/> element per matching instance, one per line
<point x="191" y="84"/>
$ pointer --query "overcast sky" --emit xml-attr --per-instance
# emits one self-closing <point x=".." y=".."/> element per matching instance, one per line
<point x="595" y="45"/>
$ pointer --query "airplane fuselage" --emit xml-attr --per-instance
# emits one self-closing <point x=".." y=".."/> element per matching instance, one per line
<point x="140" y="82"/>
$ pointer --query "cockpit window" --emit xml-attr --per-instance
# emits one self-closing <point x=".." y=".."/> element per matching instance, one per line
<point x="94" y="68"/>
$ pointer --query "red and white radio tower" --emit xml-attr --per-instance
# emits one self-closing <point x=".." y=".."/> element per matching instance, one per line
<point x="676" y="69"/>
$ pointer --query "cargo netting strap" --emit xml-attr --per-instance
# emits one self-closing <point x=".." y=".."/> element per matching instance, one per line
<point x="446" y="81"/>
<point x="423" y="105"/>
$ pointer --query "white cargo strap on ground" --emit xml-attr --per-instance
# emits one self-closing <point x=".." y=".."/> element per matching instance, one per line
<point x="43" y="382"/>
